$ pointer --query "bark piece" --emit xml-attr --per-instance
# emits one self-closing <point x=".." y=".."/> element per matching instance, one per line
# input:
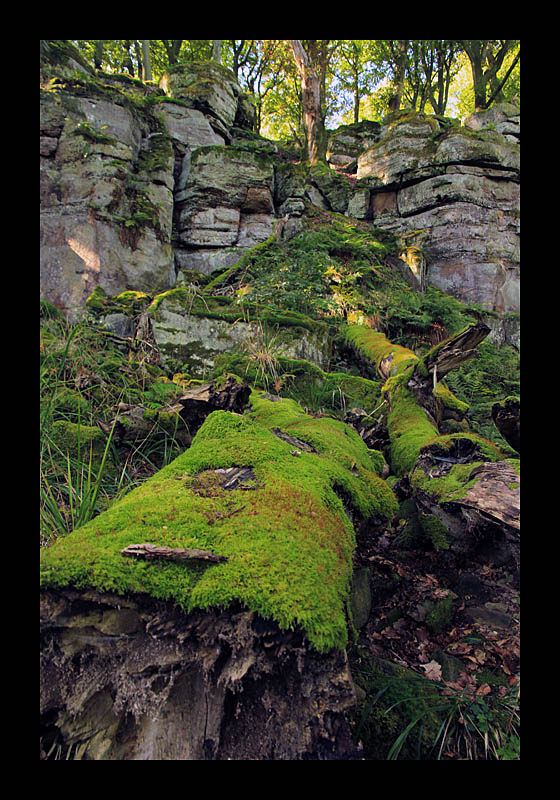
<point x="152" y="551"/>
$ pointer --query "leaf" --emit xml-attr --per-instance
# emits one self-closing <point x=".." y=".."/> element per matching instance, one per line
<point x="433" y="670"/>
<point x="483" y="690"/>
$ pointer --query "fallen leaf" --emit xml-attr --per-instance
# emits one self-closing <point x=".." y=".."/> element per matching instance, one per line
<point x="483" y="690"/>
<point x="433" y="670"/>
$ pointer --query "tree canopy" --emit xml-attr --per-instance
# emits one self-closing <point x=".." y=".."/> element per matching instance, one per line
<point x="354" y="79"/>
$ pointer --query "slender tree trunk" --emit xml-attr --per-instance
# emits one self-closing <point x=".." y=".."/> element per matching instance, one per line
<point x="356" y="99"/>
<point x="313" y="120"/>
<point x="98" y="54"/>
<point x="217" y="51"/>
<point x="401" y="61"/>
<point x="146" y="59"/>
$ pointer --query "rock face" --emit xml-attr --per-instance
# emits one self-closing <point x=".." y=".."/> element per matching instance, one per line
<point x="195" y="330"/>
<point x="106" y="193"/>
<point x="141" y="185"/>
<point x="454" y="192"/>
<point x="125" y="679"/>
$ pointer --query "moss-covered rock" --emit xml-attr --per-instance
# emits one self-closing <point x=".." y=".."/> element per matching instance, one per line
<point x="193" y="329"/>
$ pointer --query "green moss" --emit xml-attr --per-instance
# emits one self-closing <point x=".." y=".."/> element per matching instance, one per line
<point x="157" y="154"/>
<point x="305" y="382"/>
<point x="409" y="427"/>
<point x="440" y="616"/>
<point x="78" y="440"/>
<point x="228" y="309"/>
<point x="449" y="400"/>
<point x="375" y="347"/>
<point x="435" y="530"/>
<point x="288" y="542"/>
<point x="96" y="300"/>
<point x="93" y="134"/>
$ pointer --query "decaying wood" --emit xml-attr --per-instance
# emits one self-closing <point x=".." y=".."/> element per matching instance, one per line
<point x="152" y="551"/>
<point x="191" y="409"/>
<point x="137" y="679"/>
<point x="456" y="350"/>
<point x="440" y="360"/>
<point x="507" y="419"/>
<point x="495" y="493"/>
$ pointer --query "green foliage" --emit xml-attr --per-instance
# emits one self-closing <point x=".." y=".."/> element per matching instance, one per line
<point x="489" y="378"/>
<point x="405" y="716"/>
<point x="83" y="378"/>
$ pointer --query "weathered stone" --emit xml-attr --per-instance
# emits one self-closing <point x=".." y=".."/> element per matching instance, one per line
<point x="455" y="188"/>
<point x="463" y="148"/>
<point x="206" y="260"/>
<point x="196" y="335"/>
<point x="188" y="126"/>
<point x="106" y="196"/>
<point x="255" y="228"/>
<point x="222" y="181"/>
<point x="209" y="227"/>
<point x="206" y="86"/>
<point x="347" y="142"/>
<point x="458" y="189"/>
<point x="492" y="117"/>
<point x="258" y="201"/>
<point x="404" y="149"/>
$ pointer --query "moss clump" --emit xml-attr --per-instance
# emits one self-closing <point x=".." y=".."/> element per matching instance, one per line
<point x="288" y="541"/>
<point x="304" y="382"/>
<point x="409" y="427"/>
<point x="435" y="530"/>
<point x="441" y="615"/>
<point x="375" y="347"/>
<point x="449" y="400"/>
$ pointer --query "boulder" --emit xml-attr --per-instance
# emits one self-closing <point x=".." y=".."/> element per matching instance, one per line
<point x="190" y="331"/>
<point x="348" y="142"/>
<point x="205" y="86"/>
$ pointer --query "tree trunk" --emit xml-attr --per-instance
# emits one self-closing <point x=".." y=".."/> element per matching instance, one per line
<point x="147" y="59"/>
<point x="313" y="121"/>
<point x="401" y="62"/>
<point x="98" y="54"/>
<point x="217" y="51"/>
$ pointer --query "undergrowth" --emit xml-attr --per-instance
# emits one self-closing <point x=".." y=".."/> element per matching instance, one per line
<point x="84" y="376"/>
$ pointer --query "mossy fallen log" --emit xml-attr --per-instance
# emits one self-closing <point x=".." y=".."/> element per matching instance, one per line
<point x="271" y="496"/>
<point x="465" y="488"/>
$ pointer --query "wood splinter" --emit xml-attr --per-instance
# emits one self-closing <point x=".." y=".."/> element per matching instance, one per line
<point x="151" y="551"/>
